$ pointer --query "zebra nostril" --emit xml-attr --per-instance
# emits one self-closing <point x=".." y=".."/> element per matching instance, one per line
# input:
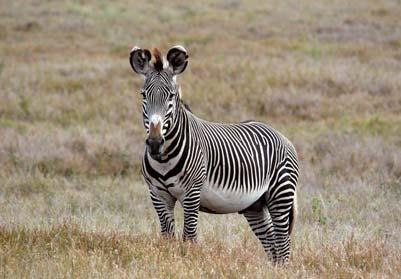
<point x="148" y="142"/>
<point x="162" y="141"/>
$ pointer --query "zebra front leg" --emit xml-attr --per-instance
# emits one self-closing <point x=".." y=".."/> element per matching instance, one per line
<point x="190" y="205"/>
<point x="164" y="206"/>
<point x="262" y="226"/>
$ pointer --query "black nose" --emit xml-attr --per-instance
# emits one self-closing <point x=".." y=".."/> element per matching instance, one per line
<point x="155" y="145"/>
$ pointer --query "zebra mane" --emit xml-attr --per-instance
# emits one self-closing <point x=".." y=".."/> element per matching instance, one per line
<point x="158" y="63"/>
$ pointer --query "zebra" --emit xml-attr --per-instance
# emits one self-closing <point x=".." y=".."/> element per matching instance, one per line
<point x="247" y="168"/>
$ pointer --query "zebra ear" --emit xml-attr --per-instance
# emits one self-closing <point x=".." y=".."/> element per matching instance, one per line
<point x="139" y="60"/>
<point x="177" y="59"/>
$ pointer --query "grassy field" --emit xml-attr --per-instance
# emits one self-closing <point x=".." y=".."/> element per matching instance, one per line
<point x="327" y="74"/>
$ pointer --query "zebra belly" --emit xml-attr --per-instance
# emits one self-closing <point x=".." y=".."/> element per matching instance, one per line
<point x="213" y="199"/>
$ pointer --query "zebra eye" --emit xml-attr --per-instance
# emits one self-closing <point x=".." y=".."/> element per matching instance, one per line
<point x="143" y="93"/>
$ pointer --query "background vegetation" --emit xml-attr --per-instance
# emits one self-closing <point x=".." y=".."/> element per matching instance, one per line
<point x="325" y="73"/>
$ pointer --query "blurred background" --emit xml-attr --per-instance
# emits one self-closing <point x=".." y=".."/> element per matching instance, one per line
<point x="327" y="74"/>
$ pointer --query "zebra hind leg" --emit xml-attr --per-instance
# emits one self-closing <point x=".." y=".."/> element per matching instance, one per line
<point x="262" y="226"/>
<point x="282" y="208"/>
<point x="282" y="238"/>
<point x="283" y="225"/>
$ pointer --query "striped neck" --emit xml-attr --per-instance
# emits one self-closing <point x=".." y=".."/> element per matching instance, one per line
<point x="176" y="137"/>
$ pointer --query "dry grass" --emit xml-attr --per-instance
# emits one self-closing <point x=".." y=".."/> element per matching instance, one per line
<point x="67" y="251"/>
<point x="106" y="227"/>
<point x="325" y="73"/>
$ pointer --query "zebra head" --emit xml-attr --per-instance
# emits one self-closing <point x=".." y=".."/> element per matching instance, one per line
<point x="160" y="92"/>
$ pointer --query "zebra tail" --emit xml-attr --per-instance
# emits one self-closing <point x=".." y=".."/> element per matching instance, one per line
<point x="293" y="213"/>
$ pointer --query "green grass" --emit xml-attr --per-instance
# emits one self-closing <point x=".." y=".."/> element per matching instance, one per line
<point x="325" y="73"/>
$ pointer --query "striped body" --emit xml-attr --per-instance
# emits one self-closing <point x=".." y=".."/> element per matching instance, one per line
<point x="230" y="168"/>
<point x="240" y="163"/>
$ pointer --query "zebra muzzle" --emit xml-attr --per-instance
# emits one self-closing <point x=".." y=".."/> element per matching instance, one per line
<point x="155" y="140"/>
